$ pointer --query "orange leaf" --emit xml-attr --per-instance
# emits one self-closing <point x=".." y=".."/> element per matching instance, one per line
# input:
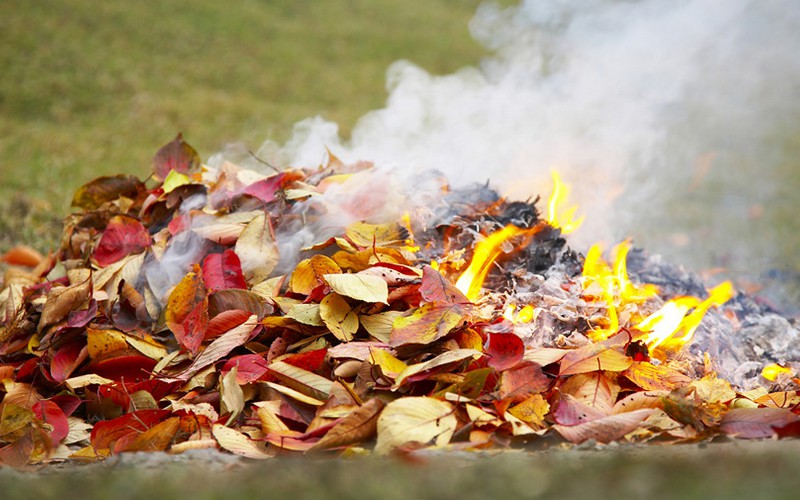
<point x="359" y="426"/>
<point x="594" y="357"/>
<point x="426" y="324"/>
<point x="309" y="273"/>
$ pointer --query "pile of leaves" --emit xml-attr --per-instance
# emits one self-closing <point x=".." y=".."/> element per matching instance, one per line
<point x="360" y="346"/>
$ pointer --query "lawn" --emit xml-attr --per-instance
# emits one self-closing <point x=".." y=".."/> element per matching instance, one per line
<point x="94" y="88"/>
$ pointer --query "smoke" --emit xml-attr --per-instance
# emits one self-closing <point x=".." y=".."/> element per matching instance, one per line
<point x="672" y="119"/>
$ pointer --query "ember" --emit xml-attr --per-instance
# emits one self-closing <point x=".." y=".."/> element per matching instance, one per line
<point x="176" y="315"/>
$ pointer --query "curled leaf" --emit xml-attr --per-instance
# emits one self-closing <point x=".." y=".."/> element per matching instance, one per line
<point x="421" y="420"/>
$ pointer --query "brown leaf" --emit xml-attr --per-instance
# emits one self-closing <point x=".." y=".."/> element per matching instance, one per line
<point x="62" y="300"/>
<point x="524" y="379"/>
<point x="437" y="288"/>
<point x="157" y="437"/>
<point x="359" y="426"/>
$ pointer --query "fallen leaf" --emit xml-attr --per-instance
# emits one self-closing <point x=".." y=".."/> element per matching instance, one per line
<point x="426" y="324"/>
<point x="366" y="235"/>
<point x="596" y="389"/>
<point x="359" y="426"/>
<point x="223" y="271"/>
<point x="756" y="423"/>
<point x="593" y="357"/>
<point x="302" y="380"/>
<point x="712" y="389"/>
<point x="238" y="443"/>
<point x="422" y="420"/>
<point x="220" y="347"/>
<point x="96" y="193"/>
<point x="122" y="237"/>
<point x="437" y="288"/>
<point x="360" y="287"/>
<point x="309" y="273"/>
<point x="505" y="350"/>
<point x="186" y="314"/>
<point x="522" y="380"/>
<point x="257" y="250"/>
<point x="655" y="378"/>
<point x="604" y="429"/>
<point x="156" y="438"/>
<point x="380" y="325"/>
<point x="175" y="155"/>
<point x="420" y="371"/>
<point x="231" y="395"/>
<point x="339" y="317"/>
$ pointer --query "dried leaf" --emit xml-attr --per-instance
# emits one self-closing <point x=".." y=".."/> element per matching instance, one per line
<point x="223" y="271"/>
<point x="359" y="426"/>
<point x="422" y="420"/>
<point x="426" y="324"/>
<point x="122" y="236"/>
<point x="604" y="429"/>
<point x="308" y="274"/>
<point x="238" y="443"/>
<point x="594" y="357"/>
<point x="302" y="380"/>
<point x="712" y="389"/>
<point x="597" y="389"/>
<point x="532" y="411"/>
<point x="94" y="194"/>
<point x="339" y="317"/>
<point x="257" y="250"/>
<point x="420" y="371"/>
<point x="220" y="347"/>
<point x="390" y="366"/>
<point x="176" y="155"/>
<point x="307" y="314"/>
<point x="187" y="312"/>
<point x="380" y="325"/>
<point x="62" y="300"/>
<point x="366" y="235"/>
<point x="756" y="423"/>
<point x="156" y="438"/>
<point x="437" y="288"/>
<point x="521" y="381"/>
<point x="231" y="395"/>
<point x="360" y="287"/>
<point x="505" y="350"/>
<point x="655" y="378"/>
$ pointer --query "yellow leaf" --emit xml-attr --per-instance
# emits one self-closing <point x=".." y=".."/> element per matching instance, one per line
<point x="308" y="274"/>
<point x="147" y="346"/>
<point x="102" y="344"/>
<point x="444" y="359"/>
<point x="380" y="325"/>
<point x="307" y="314"/>
<point x="360" y="287"/>
<point x="652" y="377"/>
<point x="339" y="317"/>
<point x="422" y="420"/>
<point x="427" y="324"/>
<point x="84" y="380"/>
<point x="231" y="395"/>
<point x="366" y="235"/>
<point x="238" y="443"/>
<point x="302" y="380"/>
<point x="174" y="180"/>
<point x="257" y="250"/>
<point x="532" y="411"/>
<point x="592" y="358"/>
<point x="711" y="389"/>
<point x="390" y="366"/>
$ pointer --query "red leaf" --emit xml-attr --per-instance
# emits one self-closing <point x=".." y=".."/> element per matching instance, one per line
<point x="108" y="432"/>
<point x="223" y="271"/>
<point x="66" y="359"/>
<point x="313" y="361"/>
<point x="129" y="368"/>
<point x="123" y="236"/>
<point x="570" y="411"/>
<point x="50" y="413"/>
<point x="225" y="321"/>
<point x="505" y="350"/>
<point x="437" y="288"/>
<point x="265" y="189"/>
<point x="250" y="367"/>
<point x="176" y="155"/>
<point x="186" y="314"/>
<point x="82" y="317"/>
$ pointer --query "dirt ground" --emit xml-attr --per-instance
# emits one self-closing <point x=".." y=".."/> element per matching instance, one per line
<point x="725" y="469"/>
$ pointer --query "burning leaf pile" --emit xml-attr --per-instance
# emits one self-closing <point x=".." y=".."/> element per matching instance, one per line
<point x="178" y="315"/>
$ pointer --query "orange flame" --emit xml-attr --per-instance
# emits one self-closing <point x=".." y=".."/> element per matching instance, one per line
<point x="525" y="315"/>
<point x="411" y="245"/>
<point x="773" y="371"/>
<point x="486" y="252"/>
<point x="672" y="327"/>
<point x="616" y="288"/>
<point x="564" y="220"/>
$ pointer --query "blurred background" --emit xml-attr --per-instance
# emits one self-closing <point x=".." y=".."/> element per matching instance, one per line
<point x="682" y="117"/>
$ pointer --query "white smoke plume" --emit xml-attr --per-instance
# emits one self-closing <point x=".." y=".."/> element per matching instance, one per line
<point x="664" y="115"/>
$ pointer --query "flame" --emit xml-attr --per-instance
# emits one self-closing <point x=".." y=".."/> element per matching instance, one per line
<point x="411" y="245"/>
<point x="616" y="288"/>
<point x="486" y="252"/>
<point x="673" y="326"/>
<point x="773" y="371"/>
<point x="564" y="220"/>
<point x="525" y="315"/>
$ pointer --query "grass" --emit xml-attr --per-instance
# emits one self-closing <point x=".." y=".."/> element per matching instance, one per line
<point x="94" y="88"/>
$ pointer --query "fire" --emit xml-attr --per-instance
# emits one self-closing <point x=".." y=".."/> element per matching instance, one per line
<point x="673" y="326"/>
<point x="486" y="252"/>
<point x="773" y="371"/>
<point x="616" y="288"/>
<point x="525" y="315"/>
<point x="564" y="220"/>
<point x="411" y="244"/>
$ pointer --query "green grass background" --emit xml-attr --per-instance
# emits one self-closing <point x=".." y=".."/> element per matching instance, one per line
<point x="93" y="88"/>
